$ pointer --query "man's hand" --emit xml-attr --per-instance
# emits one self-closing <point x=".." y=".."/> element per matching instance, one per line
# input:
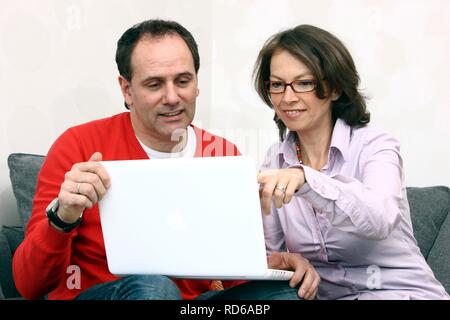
<point x="303" y="272"/>
<point x="83" y="186"/>
<point x="279" y="184"/>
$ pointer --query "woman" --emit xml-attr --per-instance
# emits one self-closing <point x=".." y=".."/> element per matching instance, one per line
<point x="336" y="184"/>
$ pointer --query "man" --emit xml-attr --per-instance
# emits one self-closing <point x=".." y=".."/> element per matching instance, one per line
<point x="63" y="254"/>
<point x="158" y="63"/>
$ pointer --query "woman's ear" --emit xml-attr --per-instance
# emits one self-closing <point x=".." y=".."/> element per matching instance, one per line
<point x="335" y="96"/>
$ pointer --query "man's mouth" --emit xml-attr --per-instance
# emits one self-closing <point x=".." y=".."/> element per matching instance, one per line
<point x="171" y="114"/>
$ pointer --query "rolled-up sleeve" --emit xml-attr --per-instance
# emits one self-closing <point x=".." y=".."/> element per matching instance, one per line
<point x="372" y="204"/>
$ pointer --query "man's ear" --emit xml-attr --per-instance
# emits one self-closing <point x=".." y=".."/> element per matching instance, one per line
<point x="198" y="91"/>
<point x="125" y="88"/>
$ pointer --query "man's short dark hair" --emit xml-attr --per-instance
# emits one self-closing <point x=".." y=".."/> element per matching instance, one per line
<point x="152" y="28"/>
<point x="328" y="59"/>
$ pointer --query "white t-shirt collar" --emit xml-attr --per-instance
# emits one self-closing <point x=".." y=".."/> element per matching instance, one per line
<point x="187" y="152"/>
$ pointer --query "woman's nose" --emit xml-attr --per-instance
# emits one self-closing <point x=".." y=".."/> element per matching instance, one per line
<point x="289" y="95"/>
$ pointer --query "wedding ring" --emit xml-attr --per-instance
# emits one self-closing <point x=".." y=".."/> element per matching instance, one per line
<point x="281" y="188"/>
<point x="78" y="188"/>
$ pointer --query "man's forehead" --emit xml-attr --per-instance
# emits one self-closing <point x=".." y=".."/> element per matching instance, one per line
<point x="158" y="48"/>
<point x="162" y="54"/>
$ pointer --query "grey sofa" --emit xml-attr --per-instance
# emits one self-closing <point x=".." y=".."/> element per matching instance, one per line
<point x="430" y="208"/>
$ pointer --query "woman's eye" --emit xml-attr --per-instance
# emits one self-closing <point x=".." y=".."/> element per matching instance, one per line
<point x="306" y="83"/>
<point x="276" y="85"/>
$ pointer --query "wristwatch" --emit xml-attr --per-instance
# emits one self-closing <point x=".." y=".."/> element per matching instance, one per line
<point x="52" y="216"/>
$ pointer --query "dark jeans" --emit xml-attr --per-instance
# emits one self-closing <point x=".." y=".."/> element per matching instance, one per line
<point x="254" y="290"/>
<point x="155" y="287"/>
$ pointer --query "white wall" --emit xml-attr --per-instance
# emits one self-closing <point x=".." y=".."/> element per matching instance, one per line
<point x="57" y="69"/>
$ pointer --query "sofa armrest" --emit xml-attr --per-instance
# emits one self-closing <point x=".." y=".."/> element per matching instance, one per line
<point x="10" y="239"/>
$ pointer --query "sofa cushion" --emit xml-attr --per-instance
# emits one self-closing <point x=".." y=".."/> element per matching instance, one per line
<point x="5" y="264"/>
<point x="7" y="286"/>
<point x="1" y="293"/>
<point x="10" y="239"/>
<point x="439" y="256"/>
<point x="429" y="209"/>
<point x="23" y="171"/>
<point x="14" y="235"/>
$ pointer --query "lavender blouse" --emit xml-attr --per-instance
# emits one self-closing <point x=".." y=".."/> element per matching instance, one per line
<point x="351" y="219"/>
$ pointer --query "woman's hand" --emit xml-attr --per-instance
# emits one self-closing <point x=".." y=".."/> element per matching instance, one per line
<point x="303" y="272"/>
<point x="279" y="184"/>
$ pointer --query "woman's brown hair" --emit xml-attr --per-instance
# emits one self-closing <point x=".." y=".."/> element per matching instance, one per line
<point x="328" y="59"/>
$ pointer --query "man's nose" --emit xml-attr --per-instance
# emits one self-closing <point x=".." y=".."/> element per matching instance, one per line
<point x="170" y="95"/>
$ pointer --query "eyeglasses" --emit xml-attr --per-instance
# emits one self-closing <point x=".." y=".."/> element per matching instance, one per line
<point x="299" y="86"/>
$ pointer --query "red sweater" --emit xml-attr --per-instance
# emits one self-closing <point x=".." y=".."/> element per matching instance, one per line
<point x="41" y="262"/>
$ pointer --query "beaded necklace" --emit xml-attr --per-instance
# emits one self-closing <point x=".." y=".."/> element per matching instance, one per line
<point x="298" y="150"/>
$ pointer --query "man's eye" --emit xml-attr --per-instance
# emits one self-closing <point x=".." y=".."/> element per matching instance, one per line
<point x="154" y="85"/>
<point x="183" y="82"/>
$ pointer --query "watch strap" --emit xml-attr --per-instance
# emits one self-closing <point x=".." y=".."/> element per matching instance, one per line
<point x="53" y="217"/>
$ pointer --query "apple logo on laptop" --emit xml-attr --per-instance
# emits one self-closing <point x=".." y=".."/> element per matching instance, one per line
<point x="176" y="221"/>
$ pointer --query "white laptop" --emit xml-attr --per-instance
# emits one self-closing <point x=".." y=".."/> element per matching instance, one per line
<point x="188" y="218"/>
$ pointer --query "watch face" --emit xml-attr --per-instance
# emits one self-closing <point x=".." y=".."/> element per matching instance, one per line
<point x="53" y="206"/>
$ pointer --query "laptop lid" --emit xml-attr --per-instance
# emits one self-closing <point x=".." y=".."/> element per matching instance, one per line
<point x="186" y="217"/>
